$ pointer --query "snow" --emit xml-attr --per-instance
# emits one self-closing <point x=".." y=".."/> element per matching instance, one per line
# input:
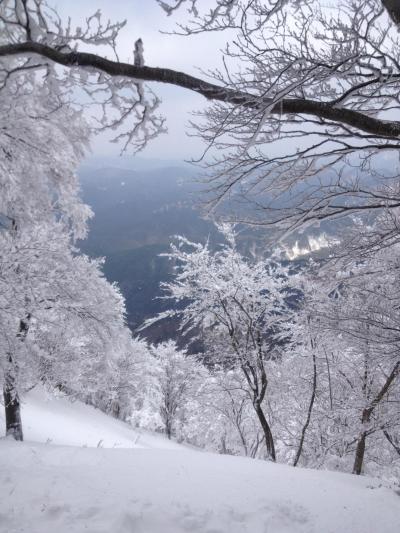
<point x="138" y="58"/>
<point x="152" y="489"/>
<point x="57" y="420"/>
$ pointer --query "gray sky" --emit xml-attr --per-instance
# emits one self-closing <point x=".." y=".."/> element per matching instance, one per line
<point x="145" y="19"/>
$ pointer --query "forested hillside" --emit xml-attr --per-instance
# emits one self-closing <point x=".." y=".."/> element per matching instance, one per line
<point x="139" y="207"/>
<point x="136" y="215"/>
<point x="242" y="313"/>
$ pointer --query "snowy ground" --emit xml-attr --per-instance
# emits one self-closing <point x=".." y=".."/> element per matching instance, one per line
<point x="74" y="489"/>
<point x="56" y="420"/>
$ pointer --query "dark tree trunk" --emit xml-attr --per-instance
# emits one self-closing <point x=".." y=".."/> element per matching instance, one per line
<point x="393" y="8"/>
<point x="366" y="417"/>
<point x="391" y="440"/>
<point x="310" y="408"/>
<point x="256" y="377"/>
<point x="168" y="428"/>
<point x="12" y="408"/>
<point x="242" y="439"/>
<point x="115" y="409"/>
<point x="269" y="440"/>
<point x="360" y="451"/>
<point x="12" y="405"/>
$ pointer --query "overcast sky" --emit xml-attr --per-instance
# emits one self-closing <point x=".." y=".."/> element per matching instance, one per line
<point x="145" y="19"/>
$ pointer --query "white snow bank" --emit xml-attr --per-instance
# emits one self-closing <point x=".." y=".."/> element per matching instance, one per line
<point x="165" y="487"/>
<point x="57" y="420"/>
<point x="47" y="489"/>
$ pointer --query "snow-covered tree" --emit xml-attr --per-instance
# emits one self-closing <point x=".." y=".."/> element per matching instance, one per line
<point x="317" y="83"/>
<point x="232" y="425"/>
<point x="126" y="388"/>
<point x="240" y="305"/>
<point x="175" y="378"/>
<point x="298" y="119"/>
<point x="354" y="307"/>
<point x="59" y="316"/>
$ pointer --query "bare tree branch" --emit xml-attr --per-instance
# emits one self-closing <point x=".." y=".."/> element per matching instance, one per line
<point x="326" y="110"/>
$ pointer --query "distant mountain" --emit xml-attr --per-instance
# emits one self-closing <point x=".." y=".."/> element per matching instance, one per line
<point x="137" y="214"/>
<point x="139" y="206"/>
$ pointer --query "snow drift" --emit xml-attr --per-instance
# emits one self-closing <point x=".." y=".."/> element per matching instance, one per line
<point x="57" y="420"/>
<point x="73" y="489"/>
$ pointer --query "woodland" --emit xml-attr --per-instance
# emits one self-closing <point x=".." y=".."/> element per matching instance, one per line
<point x="300" y="127"/>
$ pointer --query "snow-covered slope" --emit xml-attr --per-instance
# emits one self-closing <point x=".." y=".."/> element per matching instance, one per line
<point x="57" y="420"/>
<point x="45" y="488"/>
<point x="74" y="489"/>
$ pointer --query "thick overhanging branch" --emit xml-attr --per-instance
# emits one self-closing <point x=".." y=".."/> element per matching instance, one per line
<point x="393" y="8"/>
<point x="298" y="106"/>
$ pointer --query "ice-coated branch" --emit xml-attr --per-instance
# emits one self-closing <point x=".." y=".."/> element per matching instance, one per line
<point x="305" y="90"/>
<point x="119" y="104"/>
<point x="227" y="13"/>
<point x="355" y="119"/>
<point x="393" y="8"/>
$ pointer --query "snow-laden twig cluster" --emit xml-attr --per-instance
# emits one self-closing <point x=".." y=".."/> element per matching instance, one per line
<point x="121" y="105"/>
<point x="61" y="322"/>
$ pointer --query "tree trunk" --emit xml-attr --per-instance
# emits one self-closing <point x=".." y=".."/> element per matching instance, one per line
<point x="392" y="441"/>
<point x="115" y="409"/>
<point x="168" y="429"/>
<point x="360" y="451"/>
<point x="310" y="408"/>
<point x="366" y="417"/>
<point x="269" y="441"/>
<point x="12" y="408"/>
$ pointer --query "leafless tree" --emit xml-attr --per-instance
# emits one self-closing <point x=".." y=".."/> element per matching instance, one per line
<point x="301" y="111"/>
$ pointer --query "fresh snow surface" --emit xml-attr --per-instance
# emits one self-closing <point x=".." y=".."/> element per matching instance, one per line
<point x="76" y="489"/>
<point x="57" y="420"/>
